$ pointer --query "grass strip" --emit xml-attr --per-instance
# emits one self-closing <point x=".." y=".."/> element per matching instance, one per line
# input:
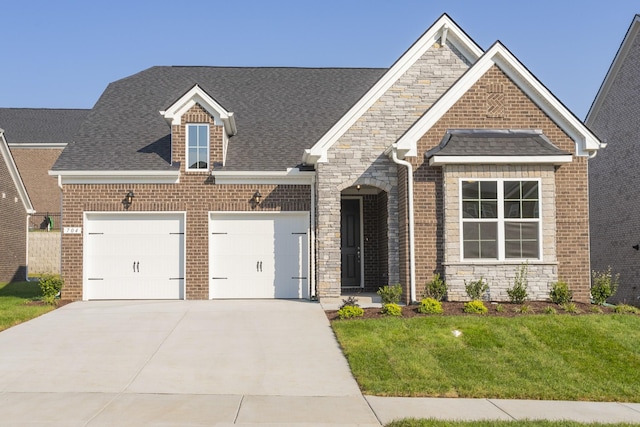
<point x="14" y="299"/>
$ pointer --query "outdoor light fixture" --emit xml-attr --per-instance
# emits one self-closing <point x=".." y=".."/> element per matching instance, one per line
<point x="257" y="198"/>
<point x="358" y="187"/>
<point x="128" y="199"/>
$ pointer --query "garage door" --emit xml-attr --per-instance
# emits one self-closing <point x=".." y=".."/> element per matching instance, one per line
<point x="258" y="255"/>
<point x="134" y="256"/>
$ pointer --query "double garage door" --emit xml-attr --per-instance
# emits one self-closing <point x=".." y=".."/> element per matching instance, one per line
<point x="142" y="255"/>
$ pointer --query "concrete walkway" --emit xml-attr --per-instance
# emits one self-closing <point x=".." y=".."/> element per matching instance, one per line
<point x="212" y="363"/>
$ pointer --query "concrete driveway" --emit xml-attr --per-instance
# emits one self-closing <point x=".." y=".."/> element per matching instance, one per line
<point x="187" y="363"/>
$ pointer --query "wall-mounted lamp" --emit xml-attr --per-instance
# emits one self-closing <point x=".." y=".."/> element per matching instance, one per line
<point x="128" y="199"/>
<point x="636" y="247"/>
<point x="358" y="187"/>
<point x="256" y="199"/>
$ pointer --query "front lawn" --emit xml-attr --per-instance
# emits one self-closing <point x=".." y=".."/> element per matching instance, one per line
<point x="14" y="303"/>
<point x="549" y="357"/>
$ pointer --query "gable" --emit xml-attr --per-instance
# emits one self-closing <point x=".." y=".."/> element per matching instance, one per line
<point x="13" y="176"/>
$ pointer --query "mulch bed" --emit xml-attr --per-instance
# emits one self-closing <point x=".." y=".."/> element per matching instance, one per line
<point x="455" y="309"/>
<point x="59" y="302"/>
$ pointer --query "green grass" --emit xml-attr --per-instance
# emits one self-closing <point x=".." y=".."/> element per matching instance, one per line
<point x="589" y="357"/>
<point x="491" y="423"/>
<point x="13" y="303"/>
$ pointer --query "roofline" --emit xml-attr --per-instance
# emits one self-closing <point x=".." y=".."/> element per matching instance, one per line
<point x="290" y="176"/>
<point x="15" y="174"/>
<point x="556" y="159"/>
<point x="618" y="59"/>
<point x="116" y="176"/>
<point x="586" y="142"/>
<point x="444" y="27"/>
<point x="43" y="145"/>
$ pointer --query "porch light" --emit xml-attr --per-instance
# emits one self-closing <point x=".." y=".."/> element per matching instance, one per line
<point x="128" y="199"/>
<point x="257" y="198"/>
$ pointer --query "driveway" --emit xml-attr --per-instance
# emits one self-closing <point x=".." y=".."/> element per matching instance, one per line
<point x="217" y="363"/>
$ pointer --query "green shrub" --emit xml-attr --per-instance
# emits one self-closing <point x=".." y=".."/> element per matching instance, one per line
<point x="595" y="309"/>
<point x="549" y="310"/>
<point x="518" y="293"/>
<point x="476" y="288"/>
<point x="350" y="301"/>
<point x="524" y="309"/>
<point x="570" y="307"/>
<point x="626" y="309"/>
<point x="349" y="311"/>
<point x="603" y="285"/>
<point x="475" y="307"/>
<point x="500" y="308"/>
<point x="436" y="288"/>
<point x="390" y="294"/>
<point x="50" y="285"/>
<point x="391" y="309"/>
<point x="430" y="306"/>
<point x="560" y="293"/>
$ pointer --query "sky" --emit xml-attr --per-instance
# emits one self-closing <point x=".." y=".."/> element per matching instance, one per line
<point x="63" y="54"/>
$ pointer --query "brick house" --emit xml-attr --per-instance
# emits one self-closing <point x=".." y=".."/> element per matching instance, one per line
<point x="614" y="190"/>
<point x="210" y="182"/>
<point x="15" y="211"/>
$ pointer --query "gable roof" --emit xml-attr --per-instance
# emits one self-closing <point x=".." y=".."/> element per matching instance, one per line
<point x="614" y="68"/>
<point x="41" y="126"/>
<point x="5" y="153"/>
<point x="278" y="112"/>
<point x="586" y="142"/>
<point x="444" y="29"/>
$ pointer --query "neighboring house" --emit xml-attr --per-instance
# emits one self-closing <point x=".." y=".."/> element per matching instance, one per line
<point x="15" y="211"/>
<point x="208" y="182"/>
<point x="614" y="183"/>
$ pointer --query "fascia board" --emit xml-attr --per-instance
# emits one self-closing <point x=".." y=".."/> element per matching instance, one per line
<point x="263" y="177"/>
<point x="460" y="40"/>
<point x="499" y="160"/>
<point x="39" y="145"/>
<point x="117" y="177"/>
<point x="15" y="175"/>
<point x="618" y="60"/>
<point x="586" y="141"/>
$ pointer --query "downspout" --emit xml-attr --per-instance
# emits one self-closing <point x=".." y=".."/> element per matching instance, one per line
<point x="412" y="263"/>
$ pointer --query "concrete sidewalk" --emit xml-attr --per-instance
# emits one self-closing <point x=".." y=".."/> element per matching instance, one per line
<point x="213" y="363"/>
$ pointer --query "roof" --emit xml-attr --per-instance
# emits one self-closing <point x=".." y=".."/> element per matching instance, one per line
<point x="279" y="113"/>
<point x="5" y="154"/>
<point x="41" y="125"/>
<point x="495" y="142"/>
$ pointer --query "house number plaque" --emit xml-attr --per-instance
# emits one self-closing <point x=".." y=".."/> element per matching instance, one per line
<point x="72" y="230"/>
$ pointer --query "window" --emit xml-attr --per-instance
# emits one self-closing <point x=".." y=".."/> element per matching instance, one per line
<point x="197" y="147"/>
<point x="500" y="219"/>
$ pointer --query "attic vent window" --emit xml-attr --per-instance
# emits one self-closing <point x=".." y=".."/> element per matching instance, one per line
<point x="198" y="147"/>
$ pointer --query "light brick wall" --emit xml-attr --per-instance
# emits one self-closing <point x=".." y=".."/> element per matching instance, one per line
<point x="358" y="158"/>
<point x="34" y="165"/>
<point x="44" y="252"/>
<point x="614" y="183"/>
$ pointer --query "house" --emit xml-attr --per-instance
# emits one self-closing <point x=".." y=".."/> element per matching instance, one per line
<point x="614" y="185"/>
<point x="212" y="182"/>
<point x="36" y="137"/>
<point x="15" y="211"/>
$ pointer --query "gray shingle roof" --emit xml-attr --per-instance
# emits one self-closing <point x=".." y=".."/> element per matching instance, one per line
<point x="41" y="125"/>
<point x="278" y="111"/>
<point x="495" y="142"/>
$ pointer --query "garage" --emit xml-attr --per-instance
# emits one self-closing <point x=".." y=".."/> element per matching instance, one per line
<point x="259" y="255"/>
<point x="133" y="256"/>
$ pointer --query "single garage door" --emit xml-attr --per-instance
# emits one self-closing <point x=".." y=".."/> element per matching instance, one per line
<point x="134" y="256"/>
<point x="259" y="255"/>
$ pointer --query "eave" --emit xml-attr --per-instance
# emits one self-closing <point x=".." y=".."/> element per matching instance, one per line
<point x="116" y="177"/>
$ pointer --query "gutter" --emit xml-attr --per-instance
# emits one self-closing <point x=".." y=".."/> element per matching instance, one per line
<point x="412" y="264"/>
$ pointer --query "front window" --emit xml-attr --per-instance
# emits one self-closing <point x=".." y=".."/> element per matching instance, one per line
<point x="500" y="219"/>
<point x="197" y="146"/>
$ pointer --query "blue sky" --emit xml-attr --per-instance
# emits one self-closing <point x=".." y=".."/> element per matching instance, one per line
<point x="62" y="54"/>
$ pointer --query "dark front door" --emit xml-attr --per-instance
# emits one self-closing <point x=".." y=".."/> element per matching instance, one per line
<point x="350" y="242"/>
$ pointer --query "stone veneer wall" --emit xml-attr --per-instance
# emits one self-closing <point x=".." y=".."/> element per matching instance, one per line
<point x="358" y="158"/>
<point x="499" y="276"/>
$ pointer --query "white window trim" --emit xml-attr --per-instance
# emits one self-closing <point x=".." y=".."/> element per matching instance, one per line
<point x="186" y="147"/>
<point x="501" y="221"/>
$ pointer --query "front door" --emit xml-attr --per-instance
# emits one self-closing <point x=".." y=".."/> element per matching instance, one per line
<point x="350" y="243"/>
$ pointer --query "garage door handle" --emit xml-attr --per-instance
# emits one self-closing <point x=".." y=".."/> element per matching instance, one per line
<point x="136" y="266"/>
<point x="259" y="266"/>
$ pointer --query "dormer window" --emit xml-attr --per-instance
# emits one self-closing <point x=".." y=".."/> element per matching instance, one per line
<point x="197" y="147"/>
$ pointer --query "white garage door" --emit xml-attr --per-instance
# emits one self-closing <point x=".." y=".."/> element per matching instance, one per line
<point x="134" y="256"/>
<point x="259" y="255"/>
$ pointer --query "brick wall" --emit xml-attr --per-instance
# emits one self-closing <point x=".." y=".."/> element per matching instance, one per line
<point x="614" y="185"/>
<point x="13" y="229"/>
<point x="34" y="165"/>
<point x="516" y="111"/>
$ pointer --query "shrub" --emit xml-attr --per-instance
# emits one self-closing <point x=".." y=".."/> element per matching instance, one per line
<point x="518" y="293"/>
<point x="500" y="308"/>
<point x="475" y="307"/>
<point x="349" y="311"/>
<point x="524" y="309"/>
<point x="603" y="285"/>
<point x="626" y="309"/>
<point x="350" y="301"/>
<point x="436" y="288"/>
<point x="391" y="309"/>
<point x="475" y="289"/>
<point x="560" y="293"/>
<point x="549" y="310"/>
<point x="570" y="307"/>
<point x="595" y="309"/>
<point x="430" y="306"/>
<point x="390" y="294"/>
<point x="50" y="284"/>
